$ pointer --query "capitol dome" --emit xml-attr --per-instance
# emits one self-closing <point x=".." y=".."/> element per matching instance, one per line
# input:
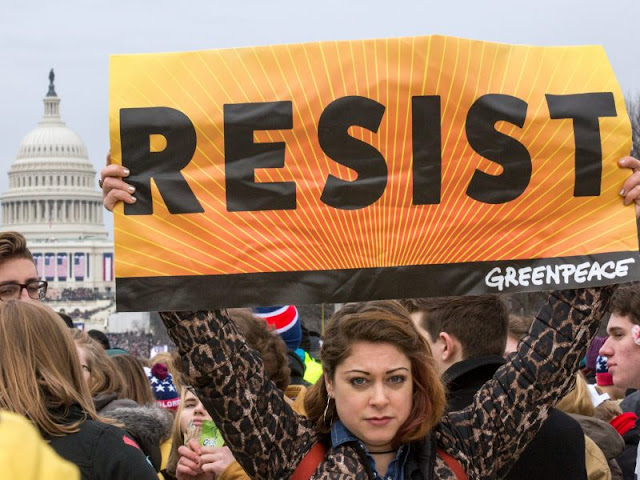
<point x="52" y="139"/>
<point x="52" y="188"/>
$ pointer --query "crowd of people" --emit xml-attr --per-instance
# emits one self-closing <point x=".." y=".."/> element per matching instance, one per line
<point x="136" y="343"/>
<point x="410" y="389"/>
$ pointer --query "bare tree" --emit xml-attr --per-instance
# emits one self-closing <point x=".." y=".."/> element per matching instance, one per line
<point x="633" y="109"/>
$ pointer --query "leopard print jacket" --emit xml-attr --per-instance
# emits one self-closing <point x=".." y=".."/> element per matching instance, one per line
<point x="269" y="440"/>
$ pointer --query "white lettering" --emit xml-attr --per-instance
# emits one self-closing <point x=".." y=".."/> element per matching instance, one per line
<point x="524" y="275"/>
<point x="581" y="272"/>
<point x="621" y="267"/>
<point x="595" y="271"/>
<point x="510" y="277"/>
<point x="567" y="270"/>
<point x="557" y="275"/>
<point x="553" y="275"/>
<point x="537" y="277"/>
<point x="494" y="279"/>
<point x="610" y="275"/>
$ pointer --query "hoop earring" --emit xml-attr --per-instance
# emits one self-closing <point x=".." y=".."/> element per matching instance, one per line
<point x="324" y="415"/>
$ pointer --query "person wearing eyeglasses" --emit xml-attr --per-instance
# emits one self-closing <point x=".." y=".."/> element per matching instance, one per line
<point x="18" y="274"/>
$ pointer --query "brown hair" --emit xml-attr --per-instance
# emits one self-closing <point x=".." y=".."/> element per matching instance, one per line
<point x="136" y="385"/>
<point x="40" y="374"/>
<point x="266" y="342"/>
<point x="519" y="326"/>
<point x="626" y="302"/>
<point x="478" y="322"/>
<point x="384" y="322"/>
<point x="577" y="400"/>
<point x="177" y="437"/>
<point x="105" y="377"/>
<point x="13" y="245"/>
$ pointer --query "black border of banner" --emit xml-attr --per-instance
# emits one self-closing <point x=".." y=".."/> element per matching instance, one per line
<point x="141" y="294"/>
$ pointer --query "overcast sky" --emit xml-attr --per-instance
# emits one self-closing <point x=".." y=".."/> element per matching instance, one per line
<point x="76" y="37"/>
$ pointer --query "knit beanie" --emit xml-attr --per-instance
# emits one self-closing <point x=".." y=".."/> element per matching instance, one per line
<point x="286" y="321"/>
<point x="162" y="386"/>
<point x="603" y="377"/>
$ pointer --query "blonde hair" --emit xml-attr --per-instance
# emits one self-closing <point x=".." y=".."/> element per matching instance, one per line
<point x="40" y="373"/>
<point x="578" y="400"/>
<point x="177" y="436"/>
<point x="105" y="376"/>
<point x="135" y="384"/>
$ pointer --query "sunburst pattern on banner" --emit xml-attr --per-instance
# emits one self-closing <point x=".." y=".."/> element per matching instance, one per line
<point x="545" y="221"/>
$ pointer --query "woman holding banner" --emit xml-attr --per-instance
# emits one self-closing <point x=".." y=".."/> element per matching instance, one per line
<point x="378" y="410"/>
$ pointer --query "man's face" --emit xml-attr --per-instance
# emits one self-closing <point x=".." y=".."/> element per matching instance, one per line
<point x="436" y="346"/>
<point x="623" y="355"/>
<point x="18" y="270"/>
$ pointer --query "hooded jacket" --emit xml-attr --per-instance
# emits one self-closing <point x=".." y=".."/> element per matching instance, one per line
<point x="102" y="451"/>
<point x="149" y="426"/>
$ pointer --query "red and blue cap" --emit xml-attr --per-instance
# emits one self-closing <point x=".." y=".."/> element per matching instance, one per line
<point x="286" y="320"/>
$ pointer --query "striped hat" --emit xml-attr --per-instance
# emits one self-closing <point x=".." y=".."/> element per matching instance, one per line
<point x="285" y="320"/>
<point x="162" y="386"/>
<point x="603" y="377"/>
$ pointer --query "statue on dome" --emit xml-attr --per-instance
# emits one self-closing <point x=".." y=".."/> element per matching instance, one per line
<point x="52" y="89"/>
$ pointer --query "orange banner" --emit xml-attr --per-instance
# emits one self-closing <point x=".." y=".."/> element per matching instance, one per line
<point x="289" y="172"/>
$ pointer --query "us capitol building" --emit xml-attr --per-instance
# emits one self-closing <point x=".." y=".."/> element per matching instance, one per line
<point x="54" y="202"/>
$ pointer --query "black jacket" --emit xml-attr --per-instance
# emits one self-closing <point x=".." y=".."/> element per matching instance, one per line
<point x="557" y="451"/>
<point x="627" y="460"/>
<point x="102" y="451"/>
<point x="149" y="426"/>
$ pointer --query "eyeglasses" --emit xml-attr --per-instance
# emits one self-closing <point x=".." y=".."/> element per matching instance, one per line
<point x="37" y="290"/>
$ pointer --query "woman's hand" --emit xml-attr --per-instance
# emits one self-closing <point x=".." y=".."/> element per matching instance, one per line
<point x="188" y="467"/>
<point x="202" y="463"/>
<point x="215" y="459"/>
<point x="631" y="187"/>
<point x="114" y="189"/>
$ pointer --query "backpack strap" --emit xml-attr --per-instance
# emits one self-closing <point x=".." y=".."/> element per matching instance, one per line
<point x="453" y="464"/>
<point x="310" y="462"/>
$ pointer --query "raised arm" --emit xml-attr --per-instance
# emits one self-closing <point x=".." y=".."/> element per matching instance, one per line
<point x="267" y="438"/>
<point x="506" y="413"/>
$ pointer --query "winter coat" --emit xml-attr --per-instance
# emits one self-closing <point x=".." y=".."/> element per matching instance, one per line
<point x="296" y="394"/>
<point x="627" y="459"/>
<point x="148" y="425"/>
<point x="557" y="451"/>
<point x="102" y="451"/>
<point x="606" y="438"/>
<point x="597" y="465"/>
<point x="269" y="440"/>
<point x="25" y="455"/>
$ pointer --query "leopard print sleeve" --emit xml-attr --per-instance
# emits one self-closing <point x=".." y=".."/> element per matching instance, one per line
<point x="488" y="436"/>
<point x="266" y="437"/>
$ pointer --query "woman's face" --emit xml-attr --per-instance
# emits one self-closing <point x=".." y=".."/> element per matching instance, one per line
<point x="192" y="410"/>
<point x="82" y="355"/>
<point x="373" y="390"/>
